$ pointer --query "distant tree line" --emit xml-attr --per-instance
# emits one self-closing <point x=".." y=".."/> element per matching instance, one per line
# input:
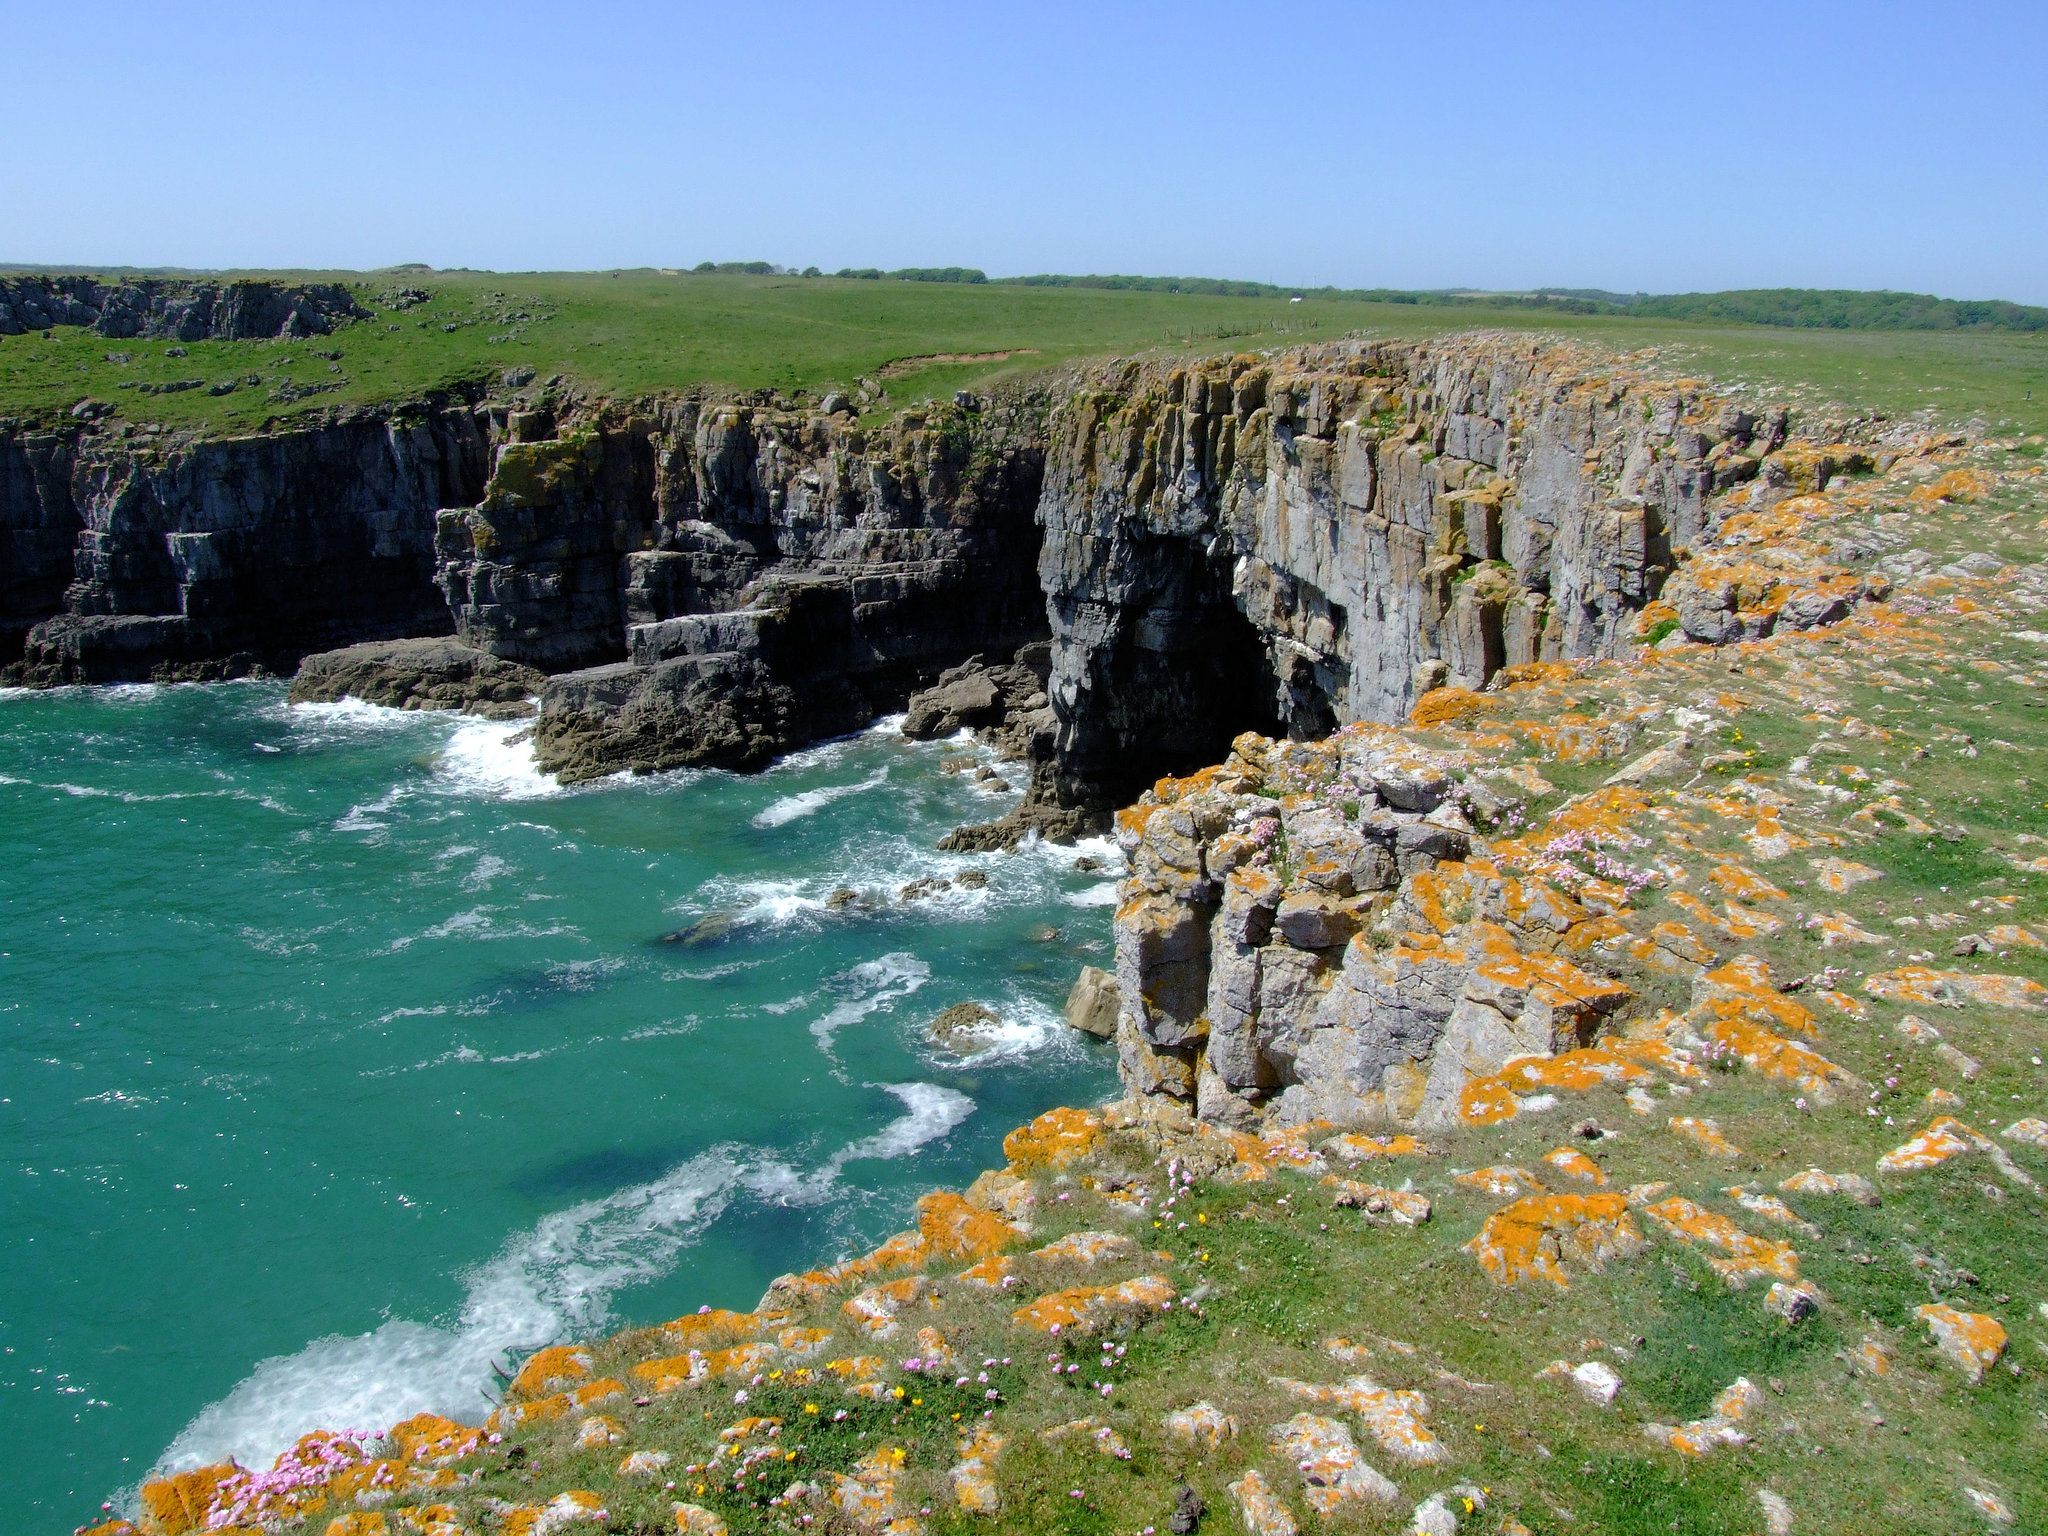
<point x="1845" y="309"/>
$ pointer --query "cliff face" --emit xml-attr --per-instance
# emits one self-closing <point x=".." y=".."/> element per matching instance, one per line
<point x="1284" y="543"/>
<point x="728" y="581"/>
<point x="1296" y="541"/>
<point x="1375" y="925"/>
<point x="212" y="558"/>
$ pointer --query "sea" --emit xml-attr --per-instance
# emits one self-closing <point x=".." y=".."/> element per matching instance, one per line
<point x="345" y="1058"/>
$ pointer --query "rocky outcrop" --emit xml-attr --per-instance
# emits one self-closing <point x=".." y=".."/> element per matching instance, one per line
<point x="176" y="309"/>
<point x="747" y="577"/>
<point x="1293" y="541"/>
<point x="419" y="674"/>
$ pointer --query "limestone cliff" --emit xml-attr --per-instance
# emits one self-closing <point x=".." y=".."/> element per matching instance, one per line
<point x="728" y="580"/>
<point x="1285" y="543"/>
<point x="1363" y="928"/>
<point x="133" y="557"/>
<point x="1292" y="541"/>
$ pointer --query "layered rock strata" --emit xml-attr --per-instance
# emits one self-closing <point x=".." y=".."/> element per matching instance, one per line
<point x="1293" y="541"/>
<point x="137" y="559"/>
<point x="1283" y="543"/>
<point x="729" y="581"/>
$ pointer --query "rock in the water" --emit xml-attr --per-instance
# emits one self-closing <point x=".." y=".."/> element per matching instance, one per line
<point x="940" y="711"/>
<point x="965" y="1028"/>
<point x="419" y="674"/>
<point x="713" y="928"/>
<point x="1092" y="1004"/>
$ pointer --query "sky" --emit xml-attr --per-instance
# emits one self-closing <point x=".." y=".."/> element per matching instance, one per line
<point x="1640" y="146"/>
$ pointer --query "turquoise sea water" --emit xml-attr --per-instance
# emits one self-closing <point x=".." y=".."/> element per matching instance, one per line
<point x="344" y="1059"/>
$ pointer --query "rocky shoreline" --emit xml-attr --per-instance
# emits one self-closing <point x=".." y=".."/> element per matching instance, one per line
<point x="1286" y="543"/>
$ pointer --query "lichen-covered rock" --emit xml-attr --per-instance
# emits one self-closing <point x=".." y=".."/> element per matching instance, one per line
<point x="1536" y="1236"/>
<point x="1202" y="1425"/>
<point x="1972" y="1340"/>
<point x="1263" y="1510"/>
<point x="1333" y="1471"/>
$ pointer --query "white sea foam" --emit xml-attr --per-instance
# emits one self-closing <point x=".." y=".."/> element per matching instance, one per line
<point x="1024" y="1026"/>
<point x="354" y="713"/>
<point x="792" y="807"/>
<point x="494" y="758"/>
<point x="363" y="818"/>
<point x="1103" y="895"/>
<point x="553" y="1282"/>
<point x="933" y="1113"/>
<point x="870" y="985"/>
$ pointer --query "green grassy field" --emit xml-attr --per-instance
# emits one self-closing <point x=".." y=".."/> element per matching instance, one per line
<point x="645" y="332"/>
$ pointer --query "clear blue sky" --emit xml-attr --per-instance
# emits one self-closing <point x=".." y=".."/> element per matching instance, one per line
<point x="1626" y="146"/>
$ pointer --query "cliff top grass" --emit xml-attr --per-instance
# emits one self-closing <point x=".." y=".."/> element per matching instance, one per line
<point x="1625" y="1303"/>
<point x="645" y="332"/>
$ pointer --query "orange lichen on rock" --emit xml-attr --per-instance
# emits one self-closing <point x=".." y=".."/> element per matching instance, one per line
<point x="1501" y="1181"/>
<point x="1944" y="1138"/>
<point x="1451" y="706"/>
<point x="184" y="1501"/>
<point x="1652" y="1052"/>
<point x="974" y="1475"/>
<point x="1970" y="1339"/>
<point x="1402" y="1207"/>
<point x="955" y="1230"/>
<point x="1704" y="1134"/>
<point x="1699" y="1436"/>
<point x="714" y="1325"/>
<point x="429" y="1438"/>
<point x="1057" y="1139"/>
<point x="575" y="1507"/>
<point x="1333" y="1472"/>
<point x="1085" y="1307"/>
<point x="554" y="1369"/>
<point x="696" y="1520"/>
<point x="1743" y="1256"/>
<point x="1574" y="1164"/>
<point x="1743" y="988"/>
<point x="1263" y="1510"/>
<point x="1202" y="1426"/>
<point x="1818" y="1181"/>
<point x="1745" y="884"/>
<point x="1733" y="922"/>
<point x="989" y="1274"/>
<point x="1491" y="1100"/>
<point x="1538" y="1234"/>
<point x="1781" y="1060"/>
<point x="1956" y="485"/>
<point x="1952" y="989"/>
<point x="1397" y="1419"/>
<point x="1355" y="1148"/>
<point x="874" y="1310"/>
<point x="868" y="1496"/>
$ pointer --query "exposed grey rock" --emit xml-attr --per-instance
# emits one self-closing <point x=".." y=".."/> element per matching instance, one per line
<point x="1093" y="1003"/>
<point x="965" y="1028"/>
<point x="419" y="674"/>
